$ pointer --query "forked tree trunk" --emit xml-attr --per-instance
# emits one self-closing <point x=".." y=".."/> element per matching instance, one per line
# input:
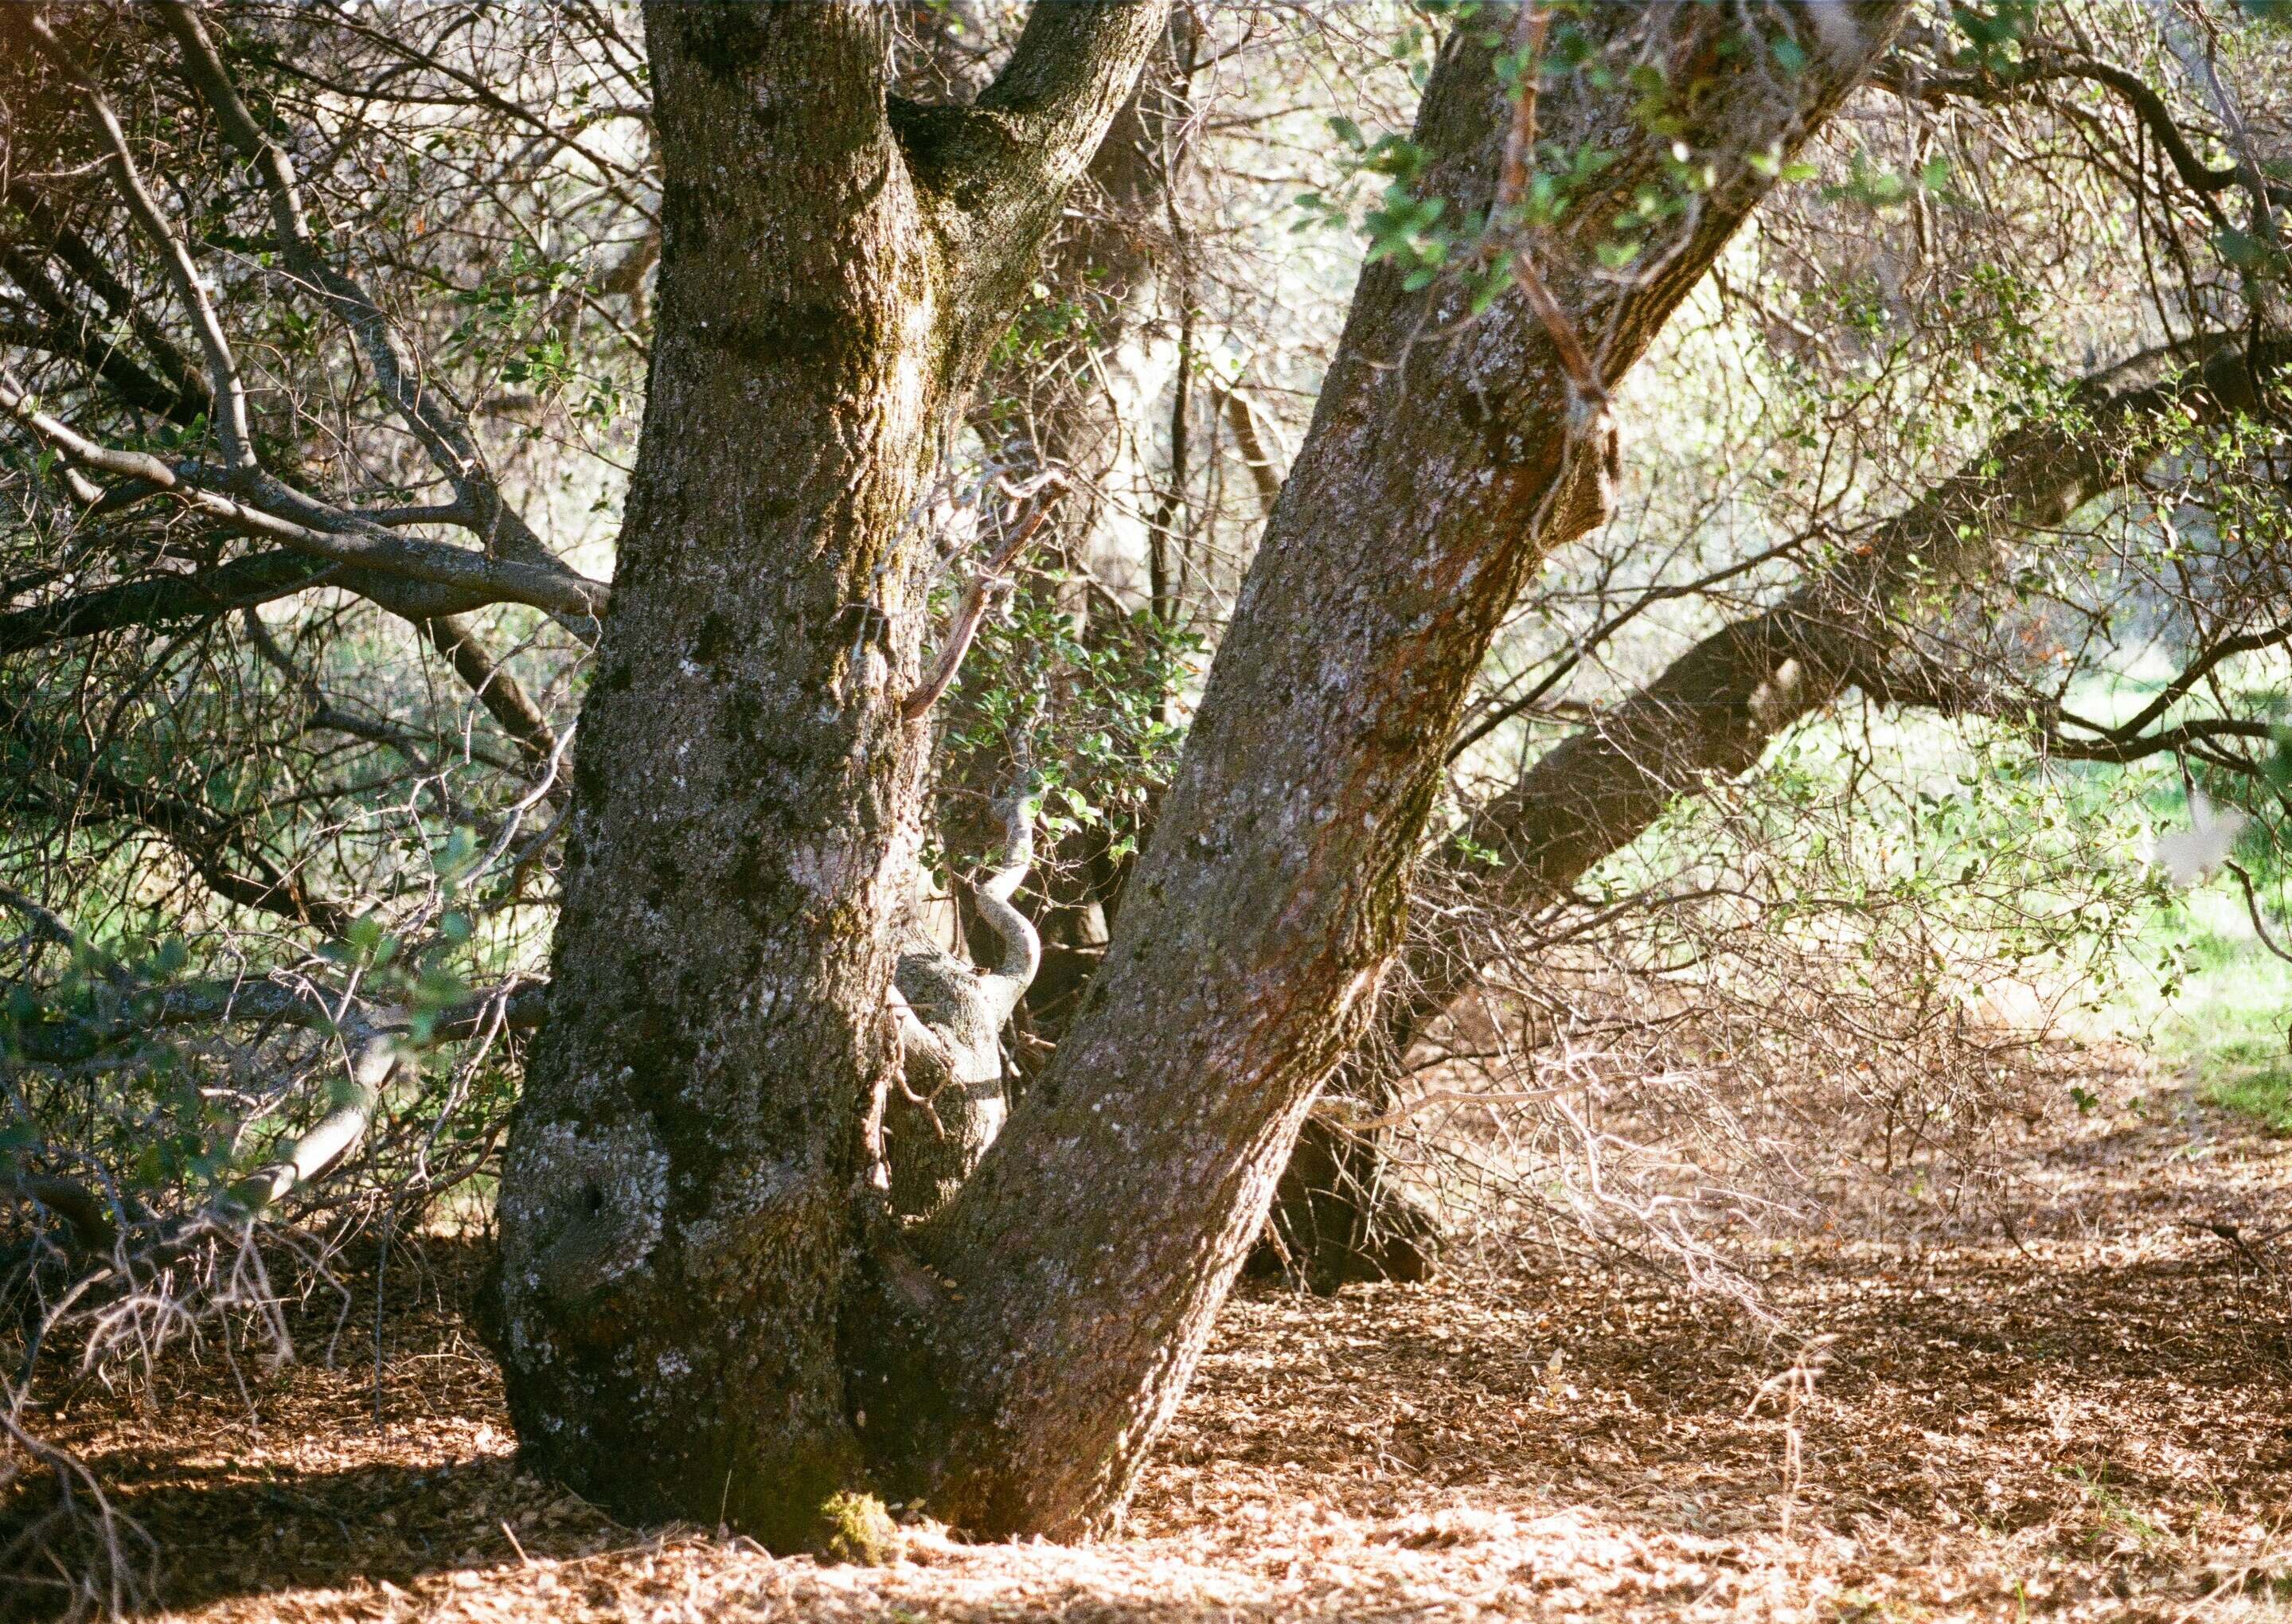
<point x="682" y="1331"/>
<point x="679" y="1202"/>
<point x="1090" y="1249"/>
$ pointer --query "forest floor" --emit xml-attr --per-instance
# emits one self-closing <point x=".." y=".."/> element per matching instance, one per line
<point x="2082" y="1413"/>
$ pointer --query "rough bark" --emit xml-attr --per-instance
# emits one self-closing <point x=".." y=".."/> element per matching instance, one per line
<point x="679" y="1200"/>
<point x="1093" y="1246"/>
<point x="1711" y="714"/>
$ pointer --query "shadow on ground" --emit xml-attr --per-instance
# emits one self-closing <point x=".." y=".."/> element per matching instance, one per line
<point x="2082" y="1414"/>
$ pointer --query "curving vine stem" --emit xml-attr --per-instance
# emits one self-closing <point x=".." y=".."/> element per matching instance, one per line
<point x="950" y="1101"/>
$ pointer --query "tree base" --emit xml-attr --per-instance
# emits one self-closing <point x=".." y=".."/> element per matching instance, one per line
<point x="1337" y="1219"/>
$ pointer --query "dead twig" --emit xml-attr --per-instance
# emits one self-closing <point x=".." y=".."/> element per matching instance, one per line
<point x="1049" y="486"/>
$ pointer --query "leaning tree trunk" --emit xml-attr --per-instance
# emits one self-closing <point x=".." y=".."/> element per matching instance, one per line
<point x="677" y="1203"/>
<point x="1707" y="717"/>
<point x="1016" y="1384"/>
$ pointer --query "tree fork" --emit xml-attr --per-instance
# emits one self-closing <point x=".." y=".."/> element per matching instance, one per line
<point x="1092" y="1248"/>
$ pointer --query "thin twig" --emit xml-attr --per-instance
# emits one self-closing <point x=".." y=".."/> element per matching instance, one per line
<point x="1050" y="486"/>
<point x="1592" y="418"/>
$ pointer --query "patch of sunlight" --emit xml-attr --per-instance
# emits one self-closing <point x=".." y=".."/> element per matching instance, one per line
<point x="2226" y="1030"/>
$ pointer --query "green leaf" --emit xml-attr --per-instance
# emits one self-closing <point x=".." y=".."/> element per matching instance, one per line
<point x="2241" y="249"/>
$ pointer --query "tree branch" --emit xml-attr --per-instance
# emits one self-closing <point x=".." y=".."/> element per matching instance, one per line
<point x="161" y="600"/>
<point x="443" y="435"/>
<point x="318" y="528"/>
<point x="1713" y="711"/>
<point x="69" y="332"/>
<point x="1002" y="164"/>
<point x="972" y="608"/>
<point x="1073" y="66"/>
<point x="1022" y="946"/>
<point x="232" y="426"/>
<point x="206" y="842"/>
<point x="78" y="256"/>
<point x="2140" y="98"/>
<point x="62" y="1040"/>
<point x="500" y="691"/>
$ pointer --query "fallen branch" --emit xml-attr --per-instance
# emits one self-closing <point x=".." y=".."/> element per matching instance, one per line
<point x="377" y="1058"/>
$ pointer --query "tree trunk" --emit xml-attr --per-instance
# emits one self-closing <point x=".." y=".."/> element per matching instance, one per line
<point x="679" y="1201"/>
<point x="1093" y="1246"/>
<point x="1339" y="1213"/>
<point x="1707" y="717"/>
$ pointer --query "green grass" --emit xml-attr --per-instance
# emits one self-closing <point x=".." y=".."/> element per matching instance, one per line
<point x="2227" y="1027"/>
<point x="2264" y="1097"/>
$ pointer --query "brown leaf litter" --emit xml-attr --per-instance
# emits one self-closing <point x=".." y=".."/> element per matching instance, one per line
<point x="2081" y="1415"/>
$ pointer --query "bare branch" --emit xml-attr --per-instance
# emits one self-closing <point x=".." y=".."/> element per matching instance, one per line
<point x="67" y="1040"/>
<point x="500" y="691"/>
<point x="972" y="608"/>
<point x="226" y="864"/>
<point x="222" y="367"/>
<point x="1712" y="712"/>
<point x="159" y="600"/>
<point x="321" y="531"/>
<point x="1264" y="473"/>
<point x="191" y="393"/>
<point x="424" y="410"/>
